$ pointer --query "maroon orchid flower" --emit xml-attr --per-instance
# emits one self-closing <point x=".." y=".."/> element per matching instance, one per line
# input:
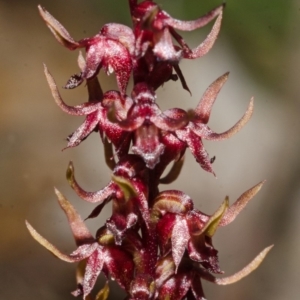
<point x="111" y="50"/>
<point x="197" y="128"/>
<point x="185" y="237"/>
<point x="146" y="120"/>
<point x="155" y="28"/>
<point x="175" y="142"/>
<point x="154" y="49"/>
<point x="96" y="116"/>
<point x="181" y="227"/>
<point x="100" y="257"/>
<point x="127" y="190"/>
<point x="184" y="282"/>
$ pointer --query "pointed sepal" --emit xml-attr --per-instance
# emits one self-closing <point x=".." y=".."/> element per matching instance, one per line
<point x="58" y="30"/>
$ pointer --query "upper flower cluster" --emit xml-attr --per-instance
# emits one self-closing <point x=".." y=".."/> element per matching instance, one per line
<point x="156" y="245"/>
<point x="147" y="50"/>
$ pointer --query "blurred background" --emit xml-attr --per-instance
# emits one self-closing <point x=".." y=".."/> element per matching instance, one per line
<point x="259" y="44"/>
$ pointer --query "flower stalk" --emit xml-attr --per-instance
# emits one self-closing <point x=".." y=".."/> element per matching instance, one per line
<point x="155" y="244"/>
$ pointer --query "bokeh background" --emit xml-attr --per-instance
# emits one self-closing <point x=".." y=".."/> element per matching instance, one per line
<point x="259" y="44"/>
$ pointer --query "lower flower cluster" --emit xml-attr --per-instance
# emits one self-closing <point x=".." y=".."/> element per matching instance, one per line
<point x="171" y="255"/>
<point x="156" y="245"/>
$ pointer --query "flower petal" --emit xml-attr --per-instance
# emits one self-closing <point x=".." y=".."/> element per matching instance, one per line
<point x="194" y="142"/>
<point x="119" y="137"/>
<point x="118" y="224"/>
<point x="141" y="200"/>
<point x="207" y="44"/>
<point x="85" y="129"/>
<point x="173" y="201"/>
<point x="211" y="226"/>
<point x="246" y="270"/>
<point x="125" y="186"/>
<point x="95" y="53"/>
<point x="233" y="211"/>
<point x="175" y="287"/>
<point x="192" y="25"/>
<point x="203" y="109"/>
<point x="165" y="268"/>
<point x="122" y="66"/>
<point x="132" y="123"/>
<point x="81" y="61"/>
<point x="180" y="237"/>
<point x="92" y="197"/>
<point x="164" y="49"/>
<point x="110" y="54"/>
<point x="93" y="268"/>
<point x="208" y="134"/>
<point x="201" y="249"/>
<point x="196" y="221"/>
<point x="79" y="110"/>
<point x="60" y="33"/>
<point x="80" y="232"/>
<point x="81" y="253"/>
<point x="121" y="33"/>
<point x="171" y="119"/>
<point x="174" y="150"/>
<point x="120" y="266"/>
<point x="147" y="145"/>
